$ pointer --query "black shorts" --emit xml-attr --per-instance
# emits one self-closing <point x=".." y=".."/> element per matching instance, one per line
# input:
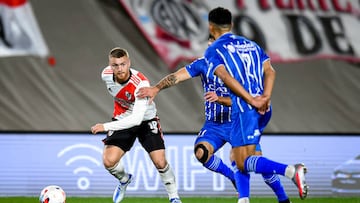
<point x="149" y="134"/>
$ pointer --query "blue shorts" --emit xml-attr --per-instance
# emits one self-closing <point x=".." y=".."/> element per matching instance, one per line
<point x="248" y="127"/>
<point x="216" y="134"/>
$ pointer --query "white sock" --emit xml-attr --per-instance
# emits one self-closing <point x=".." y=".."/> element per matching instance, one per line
<point x="244" y="200"/>
<point x="119" y="172"/>
<point x="290" y="171"/>
<point x="168" y="178"/>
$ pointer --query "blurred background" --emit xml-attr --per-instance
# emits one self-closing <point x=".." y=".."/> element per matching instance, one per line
<point x="50" y="78"/>
<point x="52" y="54"/>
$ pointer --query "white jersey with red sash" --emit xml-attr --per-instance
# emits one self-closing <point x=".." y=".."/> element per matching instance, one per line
<point x="129" y="110"/>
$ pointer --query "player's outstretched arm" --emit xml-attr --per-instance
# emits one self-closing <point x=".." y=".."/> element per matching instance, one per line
<point x="168" y="81"/>
<point x="149" y="92"/>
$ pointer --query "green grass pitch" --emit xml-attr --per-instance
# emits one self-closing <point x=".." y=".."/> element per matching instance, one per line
<point x="184" y="200"/>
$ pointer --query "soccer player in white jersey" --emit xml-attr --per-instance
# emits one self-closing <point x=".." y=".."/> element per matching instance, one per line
<point x="133" y="118"/>
<point x="246" y="69"/>
<point x="217" y="126"/>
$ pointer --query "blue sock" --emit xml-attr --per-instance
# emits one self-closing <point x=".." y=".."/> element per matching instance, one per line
<point x="273" y="181"/>
<point x="217" y="165"/>
<point x="260" y="164"/>
<point x="242" y="182"/>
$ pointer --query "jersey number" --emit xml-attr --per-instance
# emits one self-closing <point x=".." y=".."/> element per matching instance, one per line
<point x="153" y="126"/>
<point x="247" y="61"/>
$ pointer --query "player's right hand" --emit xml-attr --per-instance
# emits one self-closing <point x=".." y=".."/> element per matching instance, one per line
<point x="99" y="127"/>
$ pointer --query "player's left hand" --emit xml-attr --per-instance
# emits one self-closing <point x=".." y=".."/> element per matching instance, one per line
<point x="149" y="92"/>
<point x="99" y="127"/>
<point x="263" y="104"/>
<point x="211" y="96"/>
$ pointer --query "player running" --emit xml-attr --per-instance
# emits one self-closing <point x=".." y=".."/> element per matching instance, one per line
<point x="133" y="118"/>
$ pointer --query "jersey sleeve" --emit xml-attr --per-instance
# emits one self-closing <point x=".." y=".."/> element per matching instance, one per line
<point x="107" y="75"/>
<point x="263" y="56"/>
<point x="213" y="59"/>
<point x="137" y="115"/>
<point x="195" y="68"/>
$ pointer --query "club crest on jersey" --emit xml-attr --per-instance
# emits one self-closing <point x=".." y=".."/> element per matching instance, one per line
<point x="128" y="95"/>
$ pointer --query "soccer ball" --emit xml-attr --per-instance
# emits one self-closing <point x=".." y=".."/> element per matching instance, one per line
<point x="52" y="194"/>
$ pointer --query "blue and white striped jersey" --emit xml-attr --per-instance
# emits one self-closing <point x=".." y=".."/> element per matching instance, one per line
<point x="213" y="111"/>
<point x="243" y="59"/>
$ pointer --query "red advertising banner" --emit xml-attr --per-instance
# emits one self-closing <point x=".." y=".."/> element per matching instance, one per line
<point x="290" y="30"/>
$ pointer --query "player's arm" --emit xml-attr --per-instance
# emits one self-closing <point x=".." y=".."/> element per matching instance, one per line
<point x="226" y="101"/>
<point x="237" y="88"/>
<point x="213" y="97"/>
<point x="269" y="79"/>
<point x="170" y="80"/>
<point x="134" y="119"/>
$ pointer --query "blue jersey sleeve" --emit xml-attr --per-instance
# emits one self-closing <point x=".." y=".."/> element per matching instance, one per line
<point x="263" y="56"/>
<point x="196" y="67"/>
<point x="213" y="58"/>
